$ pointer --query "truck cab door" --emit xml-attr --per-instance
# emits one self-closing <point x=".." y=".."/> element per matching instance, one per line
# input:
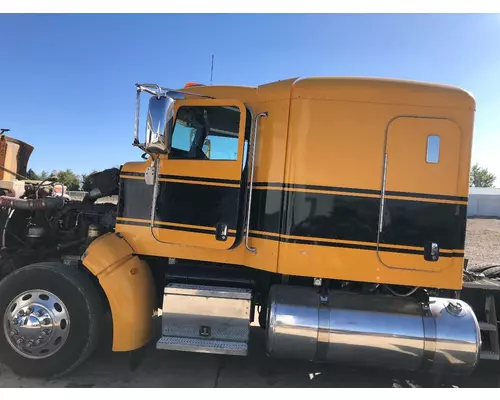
<point x="423" y="213"/>
<point x="200" y="196"/>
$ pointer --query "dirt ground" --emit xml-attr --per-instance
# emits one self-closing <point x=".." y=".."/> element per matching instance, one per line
<point x="482" y="244"/>
<point x="152" y="368"/>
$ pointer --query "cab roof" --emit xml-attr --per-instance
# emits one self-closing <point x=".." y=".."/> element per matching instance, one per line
<point x="356" y="89"/>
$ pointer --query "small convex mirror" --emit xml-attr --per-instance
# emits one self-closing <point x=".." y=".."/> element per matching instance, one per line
<point x="159" y="123"/>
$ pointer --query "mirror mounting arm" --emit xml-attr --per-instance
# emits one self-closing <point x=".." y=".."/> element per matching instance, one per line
<point x="136" y="121"/>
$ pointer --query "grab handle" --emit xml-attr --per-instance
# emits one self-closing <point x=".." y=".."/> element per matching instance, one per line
<point x="249" y="210"/>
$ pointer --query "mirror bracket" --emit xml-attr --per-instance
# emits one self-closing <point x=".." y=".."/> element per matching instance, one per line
<point x="149" y="175"/>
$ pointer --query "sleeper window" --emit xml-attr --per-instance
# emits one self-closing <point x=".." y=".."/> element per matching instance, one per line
<point x="433" y="144"/>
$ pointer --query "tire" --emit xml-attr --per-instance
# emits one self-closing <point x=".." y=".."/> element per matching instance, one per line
<point x="492" y="272"/>
<point x="79" y="298"/>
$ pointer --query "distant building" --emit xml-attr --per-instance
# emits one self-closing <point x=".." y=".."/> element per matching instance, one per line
<point x="484" y="202"/>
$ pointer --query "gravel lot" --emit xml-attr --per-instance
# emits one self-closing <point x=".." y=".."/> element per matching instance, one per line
<point x="153" y="368"/>
<point x="482" y="244"/>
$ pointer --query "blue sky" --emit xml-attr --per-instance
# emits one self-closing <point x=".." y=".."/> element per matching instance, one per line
<point x="67" y="81"/>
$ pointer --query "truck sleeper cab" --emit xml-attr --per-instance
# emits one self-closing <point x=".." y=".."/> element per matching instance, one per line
<point x="333" y="208"/>
<point x="343" y="186"/>
<point x="344" y="180"/>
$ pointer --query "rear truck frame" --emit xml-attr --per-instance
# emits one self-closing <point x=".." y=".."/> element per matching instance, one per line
<point x="333" y="210"/>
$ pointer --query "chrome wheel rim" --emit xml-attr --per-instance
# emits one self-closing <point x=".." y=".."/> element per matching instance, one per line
<point x="36" y="324"/>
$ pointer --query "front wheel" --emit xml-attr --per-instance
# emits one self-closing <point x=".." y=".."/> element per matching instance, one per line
<point x="52" y="316"/>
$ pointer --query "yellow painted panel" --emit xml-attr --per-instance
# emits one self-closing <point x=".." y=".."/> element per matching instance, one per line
<point x="271" y="141"/>
<point x="336" y="144"/>
<point x="141" y="240"/>
<point x="383" y="91"/>
<point x="407" y="169"/>
<point x="129" y="288"/>
<point x="364" y="266"/>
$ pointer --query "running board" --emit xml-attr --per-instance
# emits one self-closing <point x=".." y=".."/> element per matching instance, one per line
<point x="205" y="319"/>
<point x="202" y="346"/>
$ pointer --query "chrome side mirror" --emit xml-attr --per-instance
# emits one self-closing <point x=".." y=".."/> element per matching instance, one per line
<point x="159" y="124"/>
<point x="159" y="119"/>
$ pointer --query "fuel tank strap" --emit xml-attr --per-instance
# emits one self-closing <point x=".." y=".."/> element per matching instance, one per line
<point x="323" y="329"/>
<point x="430" y="335"/>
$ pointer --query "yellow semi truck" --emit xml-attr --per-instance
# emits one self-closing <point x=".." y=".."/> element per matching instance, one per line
<point x="332" y="209"/>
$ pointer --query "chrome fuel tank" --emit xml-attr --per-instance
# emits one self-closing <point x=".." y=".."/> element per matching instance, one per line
<point x="372" y="330"/>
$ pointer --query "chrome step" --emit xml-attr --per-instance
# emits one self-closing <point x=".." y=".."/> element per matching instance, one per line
<point x="202" y="346"/>
<point x="205" y="319"/>
<point x="484" y="326"/>
<point x="489" y="355"/>
<point x="223" y="333"/>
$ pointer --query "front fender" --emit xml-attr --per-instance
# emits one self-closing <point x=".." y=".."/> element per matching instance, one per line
<point x="128" y="284"/>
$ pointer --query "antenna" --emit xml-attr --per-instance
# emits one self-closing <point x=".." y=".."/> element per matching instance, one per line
<point x="212" y="70"/>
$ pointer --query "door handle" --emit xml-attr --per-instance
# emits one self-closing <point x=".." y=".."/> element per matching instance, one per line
<point x="221" y="232"/>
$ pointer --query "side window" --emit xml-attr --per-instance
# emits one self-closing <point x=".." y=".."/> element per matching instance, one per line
<point x="221" y="147"/>
<point x="206" y="133"/>
<point x="433" y="144"/>
<point x="182" y="137"/>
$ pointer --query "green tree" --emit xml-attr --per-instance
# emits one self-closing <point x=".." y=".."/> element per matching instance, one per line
<point x="32" y="175"/>
<point x="481" y="177"/>
<point x="69" y="179"/>
<point x="86" y="182"/>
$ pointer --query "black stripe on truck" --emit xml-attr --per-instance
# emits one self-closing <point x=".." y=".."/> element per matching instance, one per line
<point x="306" y="214"/>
